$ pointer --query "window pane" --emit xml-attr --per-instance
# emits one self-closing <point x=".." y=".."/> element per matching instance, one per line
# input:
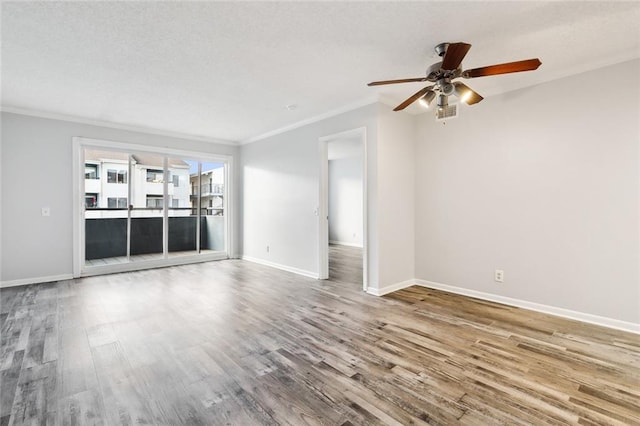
<point x="212" y="206"/>
<point x="147" y="223"/>
<point x="90" y="171"/>
<point x="105" y="225"/>
<point x="91" y="200"/>
<point x="154" y="202"/>
<point x="182" y="223"/>
<point x="155" y="176"/>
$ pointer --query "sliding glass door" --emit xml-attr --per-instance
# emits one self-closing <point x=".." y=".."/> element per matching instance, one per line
<point x="196" y="214"/>
<point x="211" y="212"/>
<point x="106" y="200"/>
<point x="153" y="208"/>
<point x="183" y="223"/>
<point x="146" y="208"/>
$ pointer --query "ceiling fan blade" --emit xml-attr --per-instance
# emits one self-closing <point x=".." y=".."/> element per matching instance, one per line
<point x="413" y="98"/>
<point x="454" y="55"/>
<point x="404" y="80"/>
<point x="469" y="96"/>
<point x="509" y="67"/>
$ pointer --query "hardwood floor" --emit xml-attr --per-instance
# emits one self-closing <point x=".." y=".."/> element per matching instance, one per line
<point x="232" y="342"/>
<point x="345" y="264"/>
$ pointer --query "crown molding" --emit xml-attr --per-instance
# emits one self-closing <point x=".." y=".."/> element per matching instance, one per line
<point x="315" y="119"/>
<point x="112" y="125"/>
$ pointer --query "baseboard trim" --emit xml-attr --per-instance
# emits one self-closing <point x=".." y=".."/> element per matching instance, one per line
<point x="390" y="288"/>
<point x="282" y="267"/>
<point x="538" y="307"/>
<point x="342" y="243"/>
<point x="35" y="280"/>
<point x="518" y="303"/>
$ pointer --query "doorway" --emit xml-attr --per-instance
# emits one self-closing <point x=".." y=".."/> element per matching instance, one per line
<point x="343" y="236"/>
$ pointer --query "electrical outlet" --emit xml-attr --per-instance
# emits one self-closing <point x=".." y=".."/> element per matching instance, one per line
<point x="267" y="249"/>
<point x="46" y="211"/>
<point x="498" y="276"/>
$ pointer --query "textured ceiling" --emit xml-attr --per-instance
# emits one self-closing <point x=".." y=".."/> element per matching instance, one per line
<point x="227" y="70"/>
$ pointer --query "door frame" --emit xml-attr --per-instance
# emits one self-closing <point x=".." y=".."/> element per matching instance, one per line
<point x="323" y="205"/>
<point x="78" y="146"/>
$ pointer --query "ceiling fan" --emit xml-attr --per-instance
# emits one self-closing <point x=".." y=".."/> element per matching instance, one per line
<point x="443" y="73"/>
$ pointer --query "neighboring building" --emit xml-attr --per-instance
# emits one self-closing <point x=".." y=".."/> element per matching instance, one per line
<point x="212" y="187"/>
<point x="106" y="185"/>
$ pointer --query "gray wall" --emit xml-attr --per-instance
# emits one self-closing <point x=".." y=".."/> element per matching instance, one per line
<point x="345" y="192"/>
<point x="281" y="191"/>
<point x="36" y="172"/>
<point x="396" y="196"/>
<point x="542" y="183"/>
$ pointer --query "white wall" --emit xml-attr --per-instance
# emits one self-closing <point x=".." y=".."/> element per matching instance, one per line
<point x="345" y="192"/>
<point x="36" y="172"/>
<point x="281" y="192"/>
<point x="543" y="183"/>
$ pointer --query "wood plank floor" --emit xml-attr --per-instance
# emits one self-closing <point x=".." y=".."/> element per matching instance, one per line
<point x="345" y="264"/>
<point x="232" y="342"/>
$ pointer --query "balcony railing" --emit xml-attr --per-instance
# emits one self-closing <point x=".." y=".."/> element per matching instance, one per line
<point x="107" y="237"/>
<point x="208" y="189"/>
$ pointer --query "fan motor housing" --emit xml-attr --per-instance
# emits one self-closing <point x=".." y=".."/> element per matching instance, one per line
<point x="435" y="73"/>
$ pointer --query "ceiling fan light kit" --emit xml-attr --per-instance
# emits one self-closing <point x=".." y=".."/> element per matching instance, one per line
<point x="443" y="73"/>
<point x="428" y="97"/>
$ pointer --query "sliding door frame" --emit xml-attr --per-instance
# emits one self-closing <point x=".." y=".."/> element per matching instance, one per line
<point x="79" y="144"/>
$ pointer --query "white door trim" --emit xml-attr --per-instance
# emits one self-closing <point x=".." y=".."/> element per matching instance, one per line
<point x="323" y="205"/>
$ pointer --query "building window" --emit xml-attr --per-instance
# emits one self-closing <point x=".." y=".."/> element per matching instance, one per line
<point x="117" y="203"/>
<point x="154" y="202"/>
<point x="155" y="176"/>
<point x="91" y="171"/>
<point x="176" y="181"/>
<point x="90" y="200"/>
<point x="116" y="176"/>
